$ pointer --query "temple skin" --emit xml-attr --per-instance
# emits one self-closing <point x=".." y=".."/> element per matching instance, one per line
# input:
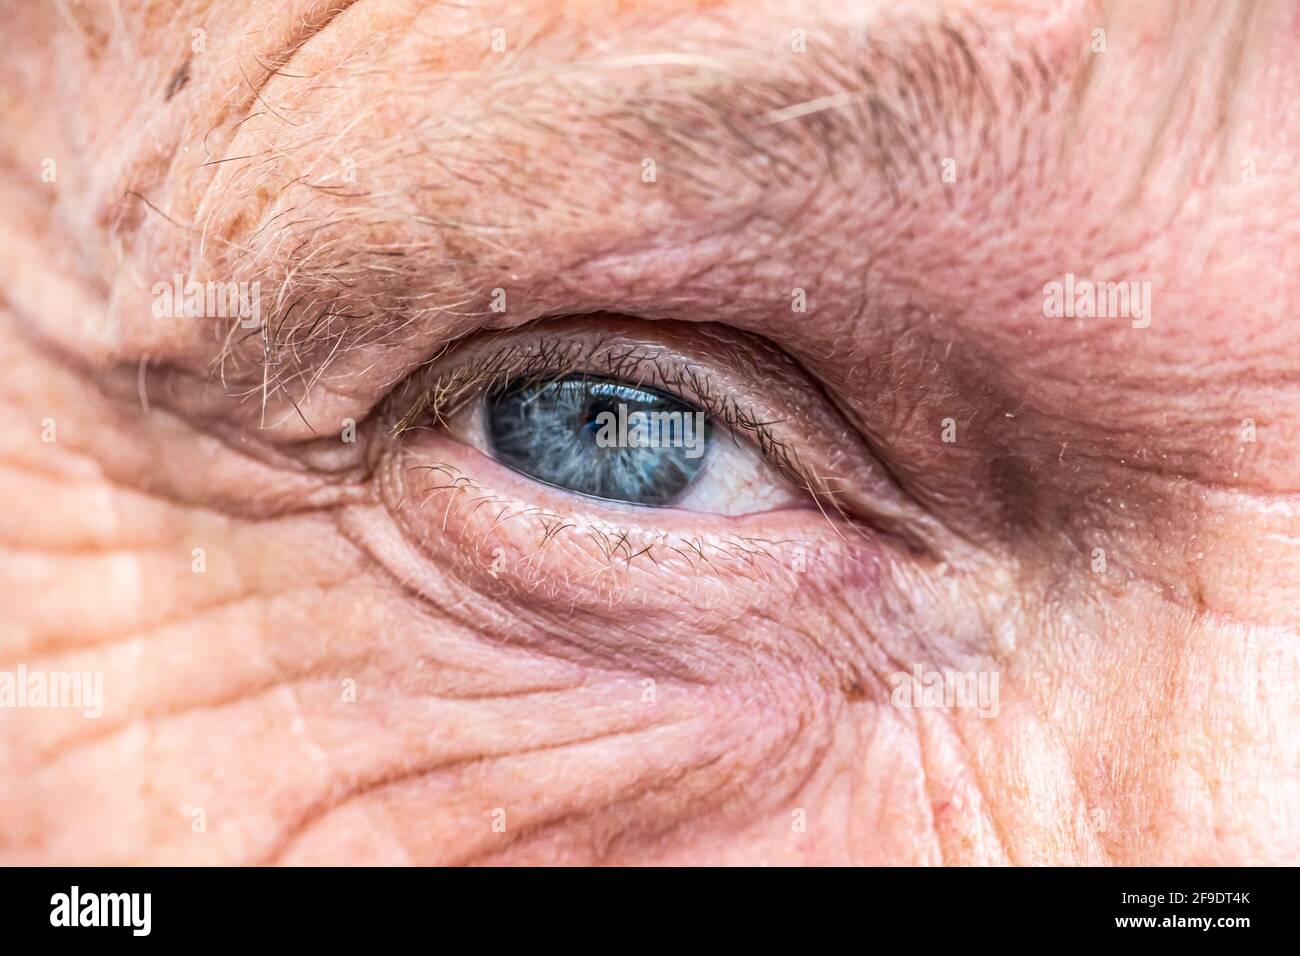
<point x="391" y="650"/>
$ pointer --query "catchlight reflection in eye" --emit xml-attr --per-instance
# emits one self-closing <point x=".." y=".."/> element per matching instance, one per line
<point x="599" y="437"/>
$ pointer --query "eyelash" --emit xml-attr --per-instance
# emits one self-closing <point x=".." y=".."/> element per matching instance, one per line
<point x="840" y="475"/>
<point x="441" y="391"/>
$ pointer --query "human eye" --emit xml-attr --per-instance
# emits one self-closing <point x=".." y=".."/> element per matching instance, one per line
<point x="581" y="442"/>
<point x="624" y="420"/>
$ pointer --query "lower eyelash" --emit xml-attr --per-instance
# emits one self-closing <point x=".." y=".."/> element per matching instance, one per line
<point x="616" y="546"/>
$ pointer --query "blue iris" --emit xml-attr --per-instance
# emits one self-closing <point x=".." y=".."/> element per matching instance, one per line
<point x="599" y="437"/>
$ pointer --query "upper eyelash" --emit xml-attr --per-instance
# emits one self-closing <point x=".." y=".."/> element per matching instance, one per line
<point x="438" y="393"/>
<point x="447" y="382"/>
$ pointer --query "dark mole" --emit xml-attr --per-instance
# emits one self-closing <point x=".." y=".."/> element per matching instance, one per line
<point x="853" y="685"/>
<point x="853" y="689"/>
<point x="178" y="80"/>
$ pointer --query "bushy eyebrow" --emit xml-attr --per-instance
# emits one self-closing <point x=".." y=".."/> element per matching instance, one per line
<point x="887" y="103"/>
<point x="883" y="99"/>
<point x="893" y="102"/>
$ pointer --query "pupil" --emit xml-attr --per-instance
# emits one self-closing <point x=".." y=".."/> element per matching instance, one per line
<point x="599" y="437"/>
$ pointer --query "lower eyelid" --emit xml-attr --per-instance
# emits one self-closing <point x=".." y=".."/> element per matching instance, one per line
<point x="445" y="482"/>
<point x="555" y="557"/>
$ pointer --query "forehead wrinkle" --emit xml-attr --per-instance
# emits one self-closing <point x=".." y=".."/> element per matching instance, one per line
<point x="1192" y="93"/>
<point x="884" y="101"/>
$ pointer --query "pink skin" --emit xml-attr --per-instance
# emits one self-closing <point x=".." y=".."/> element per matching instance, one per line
<point x="401" y="651"/>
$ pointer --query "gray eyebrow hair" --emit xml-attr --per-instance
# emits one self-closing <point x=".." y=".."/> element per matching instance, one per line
<point x="888" y="102"/>
<point x="886" y="97"/>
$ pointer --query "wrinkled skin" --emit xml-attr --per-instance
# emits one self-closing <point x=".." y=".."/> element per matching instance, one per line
<point x="367" y="662"/>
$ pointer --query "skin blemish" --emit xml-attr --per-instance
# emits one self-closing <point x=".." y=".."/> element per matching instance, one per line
<point x="178" y="81"/>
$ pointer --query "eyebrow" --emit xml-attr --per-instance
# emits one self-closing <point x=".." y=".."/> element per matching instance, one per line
<point x="881" y="103"/>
